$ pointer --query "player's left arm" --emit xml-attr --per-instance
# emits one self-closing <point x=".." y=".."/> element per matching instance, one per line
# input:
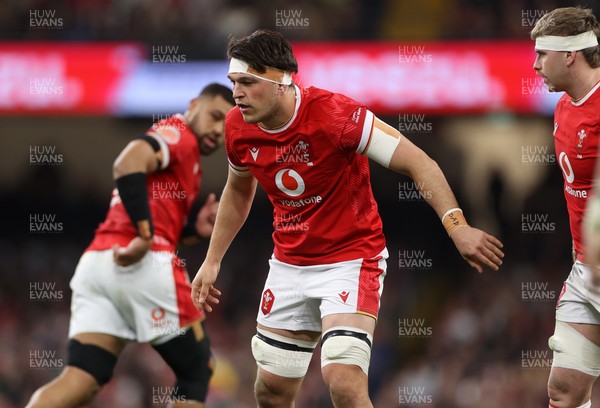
<point x="390" y="148"/>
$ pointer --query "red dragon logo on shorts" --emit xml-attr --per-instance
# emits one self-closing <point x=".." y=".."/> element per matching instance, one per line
<point x="267" y="302"/>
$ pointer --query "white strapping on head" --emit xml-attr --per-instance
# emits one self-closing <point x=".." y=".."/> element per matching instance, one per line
<point x="566" y="43"/>
<point x="274" y="75"/>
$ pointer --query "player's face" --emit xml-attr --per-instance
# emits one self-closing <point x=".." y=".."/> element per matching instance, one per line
<point x="551" y="65"/>
<point x="257" y="99"/>
<point x="206" y="118"/>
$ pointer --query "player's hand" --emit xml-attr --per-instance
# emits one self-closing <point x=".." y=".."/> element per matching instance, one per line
<point x="203" y="291"/>
<point x="478" y="248"/>
<point x="205" y="220"/>
<point x="132" y="253"/>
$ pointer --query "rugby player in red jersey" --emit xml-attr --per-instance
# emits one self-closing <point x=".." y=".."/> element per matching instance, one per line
<point x="309" y="150"/>
<point x="129" y="285"/>
<point x="568" y="58"/>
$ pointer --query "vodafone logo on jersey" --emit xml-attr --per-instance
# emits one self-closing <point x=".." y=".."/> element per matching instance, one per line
<point x="290" y="182"/>
<point x="565" y="165"/>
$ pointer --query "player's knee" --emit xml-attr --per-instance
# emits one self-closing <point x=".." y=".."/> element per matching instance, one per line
<point x="192" y="364"/>
<point x="94" y="360"/>
<point x="345" y="356"/>
<point x="566" y="395"/>
<point x="557" y="390"/>
<point x="270" y="394"/>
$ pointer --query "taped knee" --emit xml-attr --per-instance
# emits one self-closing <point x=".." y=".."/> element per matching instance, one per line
<point x="281" y="355"/>
<point x="573" y="350"/>
<point x="96" y="361"/>
<point x="346" y="345"/>
<point x="190" y="361"/>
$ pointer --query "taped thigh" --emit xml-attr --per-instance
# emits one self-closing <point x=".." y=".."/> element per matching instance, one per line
<point x="573" y="350"/>
<point x="95" y="360"/>
<point x="281" y="355"/>
<point x="346" y="345"/>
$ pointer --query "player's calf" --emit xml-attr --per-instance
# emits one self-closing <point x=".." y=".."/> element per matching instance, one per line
<point x="191" y="360"/>
<point x="72" y="388"/>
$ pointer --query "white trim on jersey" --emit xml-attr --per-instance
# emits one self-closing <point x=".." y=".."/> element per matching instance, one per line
<point x="586" y="97"/>
<point x="289" y="123"/>
<point x="239" y="171"/>
<point x="366" y="133"/>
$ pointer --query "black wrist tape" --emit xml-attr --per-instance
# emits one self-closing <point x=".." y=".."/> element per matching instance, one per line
<point x="134" y="196"/>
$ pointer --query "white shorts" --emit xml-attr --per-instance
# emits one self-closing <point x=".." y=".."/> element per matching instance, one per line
<point x="148" y="301"/>
<point x="298" y="297"/>
<point x="576" y="303"/>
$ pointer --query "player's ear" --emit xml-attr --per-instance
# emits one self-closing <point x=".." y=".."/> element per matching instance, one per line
<point x="193" y="103"/>
<point x="570" y="57"/>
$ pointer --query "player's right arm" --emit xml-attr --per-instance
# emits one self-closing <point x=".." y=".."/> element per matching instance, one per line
<point x="234" y="207"/>
<point x="137" y="159"/>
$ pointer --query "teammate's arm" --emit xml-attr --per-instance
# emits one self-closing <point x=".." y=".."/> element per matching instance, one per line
<point x="136" y="160"/>
<point x="390" y="148"/>
<point x="234" y="207"/>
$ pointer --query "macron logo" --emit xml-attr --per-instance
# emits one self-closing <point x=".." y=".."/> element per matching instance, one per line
<point x="254" y="152"/>
<point x="344" y="295"/>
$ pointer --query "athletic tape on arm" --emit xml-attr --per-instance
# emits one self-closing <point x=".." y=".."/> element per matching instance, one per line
<point x="381" y="147"/>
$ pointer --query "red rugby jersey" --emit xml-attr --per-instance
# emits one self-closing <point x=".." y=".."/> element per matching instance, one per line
<point x="324" y="210"/>
<point x="171" y="191"/>
<point x="576" y="133"/>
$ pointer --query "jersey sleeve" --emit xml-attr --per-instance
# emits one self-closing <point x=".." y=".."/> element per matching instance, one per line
<point x="357" y="132"/>
<point x="235" y="164"/>
<point x="168" y="135"/>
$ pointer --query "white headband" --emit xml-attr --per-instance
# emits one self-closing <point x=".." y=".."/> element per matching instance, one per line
<point x="568" y="43"/>
<point x="274" y="75"/>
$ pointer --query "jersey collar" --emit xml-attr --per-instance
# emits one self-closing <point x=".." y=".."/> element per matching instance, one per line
<point x="587" y="96"/>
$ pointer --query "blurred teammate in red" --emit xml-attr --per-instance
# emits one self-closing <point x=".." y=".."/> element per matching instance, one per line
<point x="568" y="58"/>
<point x="129" y="284"/>
<point x="309" y="150"/>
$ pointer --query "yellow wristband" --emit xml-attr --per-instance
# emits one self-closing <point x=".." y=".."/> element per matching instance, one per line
<point x="454" y="219"/>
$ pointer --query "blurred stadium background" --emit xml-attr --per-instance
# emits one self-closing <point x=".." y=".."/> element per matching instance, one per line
<point x="79" y="79"/>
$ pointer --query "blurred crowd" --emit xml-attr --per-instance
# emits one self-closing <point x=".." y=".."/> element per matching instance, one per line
<point x="202" y="26"/>
<point x="481" y="340"/>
